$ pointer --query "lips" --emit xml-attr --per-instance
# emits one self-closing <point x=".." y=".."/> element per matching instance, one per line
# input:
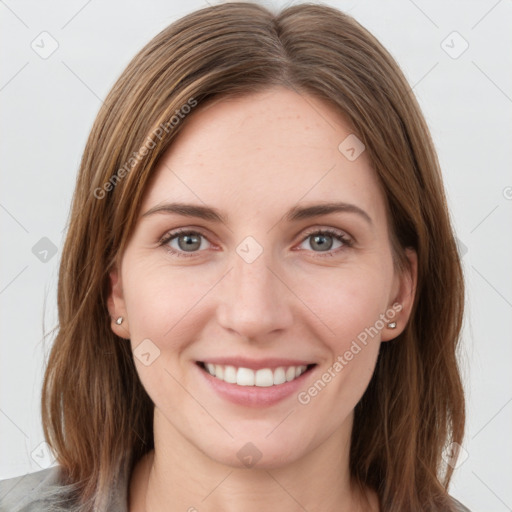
<point x="252" y="383"/>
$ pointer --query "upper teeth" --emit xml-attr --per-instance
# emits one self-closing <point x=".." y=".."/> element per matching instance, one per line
<point x="246" y="377"/>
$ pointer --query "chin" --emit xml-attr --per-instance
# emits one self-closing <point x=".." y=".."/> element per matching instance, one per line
<point x="257" y="452"/>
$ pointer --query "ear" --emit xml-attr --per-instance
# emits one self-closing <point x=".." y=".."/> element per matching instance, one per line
<point x="402" y="299"/>
<point x="116" y="304"/>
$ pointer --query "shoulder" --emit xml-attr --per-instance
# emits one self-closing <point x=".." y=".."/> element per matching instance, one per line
<point x="44" y="491"/>
<point x="27" y="493"/>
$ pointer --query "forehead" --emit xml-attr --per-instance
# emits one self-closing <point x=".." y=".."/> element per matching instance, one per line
<point x="262" y="154"/>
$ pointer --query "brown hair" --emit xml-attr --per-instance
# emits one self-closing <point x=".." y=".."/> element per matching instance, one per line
<point x="96" y="414"/>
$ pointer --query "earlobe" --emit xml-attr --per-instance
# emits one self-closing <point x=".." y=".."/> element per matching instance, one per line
<point x="403" y="301"/>
<point x="116" y="305"/>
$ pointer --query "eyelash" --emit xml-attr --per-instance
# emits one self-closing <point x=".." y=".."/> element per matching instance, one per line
<point x="338" y="235"/>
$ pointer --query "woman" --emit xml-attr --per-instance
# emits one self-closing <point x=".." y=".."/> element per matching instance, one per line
<point x="260" y="296"/>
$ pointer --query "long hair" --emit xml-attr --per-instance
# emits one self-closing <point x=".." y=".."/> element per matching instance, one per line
<point x="97" y="417"/>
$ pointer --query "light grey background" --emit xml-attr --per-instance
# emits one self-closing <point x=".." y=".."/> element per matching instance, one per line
<point x="48" y="107"/>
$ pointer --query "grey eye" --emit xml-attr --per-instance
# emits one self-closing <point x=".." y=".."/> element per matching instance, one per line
<point x="187" y="242"/>
<point x="321" y="242"/>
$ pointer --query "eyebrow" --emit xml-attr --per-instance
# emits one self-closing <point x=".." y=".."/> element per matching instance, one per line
<point x="294" y="214"/>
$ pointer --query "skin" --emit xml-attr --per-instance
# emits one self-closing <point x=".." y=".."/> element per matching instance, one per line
<point x="253" y="158"/>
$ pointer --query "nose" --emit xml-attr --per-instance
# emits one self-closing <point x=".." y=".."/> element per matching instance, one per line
<point x="255" y="299"/>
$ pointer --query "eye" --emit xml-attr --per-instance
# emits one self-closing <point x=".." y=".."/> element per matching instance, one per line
<point x="322" y="239"/>
<point x="186" y="241"/>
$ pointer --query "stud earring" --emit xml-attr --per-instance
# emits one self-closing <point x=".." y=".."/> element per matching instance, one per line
<point x="119" y="321"/>
<point x="392" y="325"/>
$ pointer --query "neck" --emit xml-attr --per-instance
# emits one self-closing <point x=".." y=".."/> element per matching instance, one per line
<point x="178" y="477"/>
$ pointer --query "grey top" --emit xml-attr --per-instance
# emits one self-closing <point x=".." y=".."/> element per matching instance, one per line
<point x="43" y="491"/>
<point x="35" y="492"/>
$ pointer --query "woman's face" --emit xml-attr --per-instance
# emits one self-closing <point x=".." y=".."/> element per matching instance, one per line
<point x="261" y="289"/>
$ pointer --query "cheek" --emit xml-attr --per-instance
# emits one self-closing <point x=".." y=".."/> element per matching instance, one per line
<point x="346" y="300"/>
<point x="159" y="300"/>
<point x="350" y="302"/>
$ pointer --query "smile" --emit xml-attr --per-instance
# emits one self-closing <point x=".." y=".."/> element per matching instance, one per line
<point x="263" y="377"/>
